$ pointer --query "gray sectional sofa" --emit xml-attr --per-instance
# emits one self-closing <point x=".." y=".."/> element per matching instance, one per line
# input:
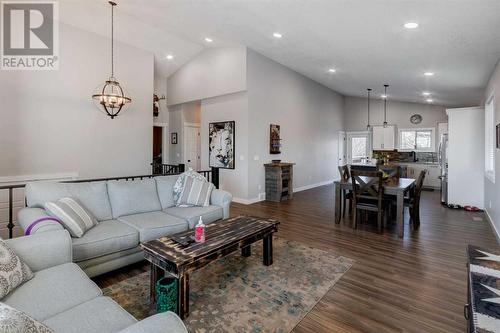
<point x="129" y="213"/>
<point x="62" y="296"/>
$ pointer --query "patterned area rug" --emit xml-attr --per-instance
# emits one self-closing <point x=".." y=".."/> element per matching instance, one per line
<point x="238" y="294"/>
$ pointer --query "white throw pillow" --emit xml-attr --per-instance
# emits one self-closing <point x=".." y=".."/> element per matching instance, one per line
<point x="179" y="184"/>
<point x="15" y="321"/>
<point x="73" y="216"/>
<point x="195" y="193"/>
<point x="13" y="271"/>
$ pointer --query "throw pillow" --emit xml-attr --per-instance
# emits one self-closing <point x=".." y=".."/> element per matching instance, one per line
<point x="196" y="193"/>
<point x="73" y="216"/>
<point x="13" y="271"/>
<point x="179" y="184"/>
<point x="15" y="321"/>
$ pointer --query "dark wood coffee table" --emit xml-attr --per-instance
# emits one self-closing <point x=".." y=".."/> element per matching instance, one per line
<point x="221" y="238"/>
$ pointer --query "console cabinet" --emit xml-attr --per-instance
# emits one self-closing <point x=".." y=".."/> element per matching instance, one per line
<point x="279" y="181"/>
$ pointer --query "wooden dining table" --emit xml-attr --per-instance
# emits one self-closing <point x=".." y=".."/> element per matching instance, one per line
<point x="393" y="186"/>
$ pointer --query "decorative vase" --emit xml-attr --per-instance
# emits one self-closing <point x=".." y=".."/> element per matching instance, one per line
<point x="166" y="294"/>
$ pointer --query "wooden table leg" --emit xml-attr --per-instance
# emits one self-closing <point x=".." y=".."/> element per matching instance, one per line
<point x="400" y="213"/>
<point x="337" y="202"/>
<point x="268" y="250"/>
<point x="246" y="251"/>
<point x="156" y="274"/>
<point x="183" y="296"/>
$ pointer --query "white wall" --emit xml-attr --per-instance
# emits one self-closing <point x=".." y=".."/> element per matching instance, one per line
<point x="213" y="72"/>
<point x="226" y="108"/>
<point x="492" y="190"/>
<point x="310" y="116"/>
<point x="398" y="113"/>
<point x="49" y="124"/>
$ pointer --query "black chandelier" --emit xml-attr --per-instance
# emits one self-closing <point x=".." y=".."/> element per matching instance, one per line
<point x="385" y="104"/>
<point x="111" y="96"/>
<point x="368" y="124"/>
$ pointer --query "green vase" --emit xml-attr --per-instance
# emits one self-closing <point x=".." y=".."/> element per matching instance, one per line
<point x="166" y="294"/>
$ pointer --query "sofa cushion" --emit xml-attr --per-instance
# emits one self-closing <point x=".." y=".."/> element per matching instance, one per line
<point x="93" y="195"/>
<point x="209" y="214"/>
<point x="165" y="188"/>
<point x="154" y="225"/>
<point x="72" y="215"/>
<point x="107" y="237"/>
<point x="53" y="290"/>
<point x="157" y="323"/>
<point x="15" y="321"/>
<point x="13" y="270"/>
<point x="101" y="315"/>
<point x="133" y="197"/>
<point x="195" y="193"/>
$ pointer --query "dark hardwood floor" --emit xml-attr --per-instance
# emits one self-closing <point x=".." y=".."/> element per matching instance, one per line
<point x="415" y="284"/>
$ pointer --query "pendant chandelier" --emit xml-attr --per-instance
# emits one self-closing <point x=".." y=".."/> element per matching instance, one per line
<point x="368" y="123"/>
<point x="111" y="97"/>
<point x="385" y="104"/>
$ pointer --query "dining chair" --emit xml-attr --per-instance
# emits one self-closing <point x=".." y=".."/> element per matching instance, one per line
<point x="345" y="175"/>
<point x="367" y="195"/>
<point x="413" y="201"/>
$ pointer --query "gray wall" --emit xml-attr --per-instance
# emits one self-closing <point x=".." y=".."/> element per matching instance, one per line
<point x="310" y="116"/>
<point x="492" y="190"/>
<point x="50" y="125"/>
<point x="213" y="72"/>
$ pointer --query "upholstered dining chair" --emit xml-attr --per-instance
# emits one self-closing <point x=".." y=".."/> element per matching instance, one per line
<point x="345" y="175"/>
<point x="413" y="201"/>
<point x="368" y="195"/>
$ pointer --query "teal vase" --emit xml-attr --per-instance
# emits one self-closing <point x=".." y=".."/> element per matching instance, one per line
<point x="166" y="294"/>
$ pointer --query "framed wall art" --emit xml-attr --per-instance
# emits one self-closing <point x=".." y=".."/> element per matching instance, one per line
<point x="221" y="144"/>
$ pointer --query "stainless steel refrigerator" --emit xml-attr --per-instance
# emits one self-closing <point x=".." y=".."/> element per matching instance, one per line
<point x="443" y="165"/>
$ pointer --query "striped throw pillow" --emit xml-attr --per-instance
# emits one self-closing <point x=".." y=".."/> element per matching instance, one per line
<point x="195" y="193"/>
<point x="73" y="216"/>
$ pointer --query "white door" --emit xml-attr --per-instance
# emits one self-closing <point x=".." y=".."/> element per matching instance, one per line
<point x="192" y="147"/>
<point x="342" y="148"/>
<point x="358" y="146"/>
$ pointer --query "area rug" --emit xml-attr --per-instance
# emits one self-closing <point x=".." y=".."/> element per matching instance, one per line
<point x="238" y="294"/>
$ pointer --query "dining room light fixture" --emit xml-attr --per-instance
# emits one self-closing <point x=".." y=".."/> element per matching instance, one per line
<point x="277" y="35"/>
<point x="332" y="70"/>
<point x="429" y="73"/>
<point x="385" y="104"/>
<point x="111" y="96"/>
<point x="368" y="92"/>
<point x="169" y="57"/>
<point x="411" y="25"/>
<point x="208" y="40"/>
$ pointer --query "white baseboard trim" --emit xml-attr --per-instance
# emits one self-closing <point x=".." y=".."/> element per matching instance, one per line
<point x="297" y="189"/>
<point x="10" y="180"/>
<point x="492" y="224"/>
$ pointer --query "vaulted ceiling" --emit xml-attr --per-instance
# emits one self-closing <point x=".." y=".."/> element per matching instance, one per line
<point x="363" y="40"/>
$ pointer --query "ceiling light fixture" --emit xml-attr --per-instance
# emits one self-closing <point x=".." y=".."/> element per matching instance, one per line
<point x="429" y="74"/>
<point x="411" y="25"/>
<point x="425" y="93"/>
<point x="332" y="70"/>
<point x="430" y="100"/>
<point x="277" y="35"/>
<point x="208" y="40"/>
<point x="368" y="94"/>
<point x="385" y="104"/>
<point x="383" y="96"/>
<point x="111" y="96"/>
<point x="169" y="57"/>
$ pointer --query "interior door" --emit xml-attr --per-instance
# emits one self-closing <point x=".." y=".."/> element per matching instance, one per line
<point x="157" y="144"/>
<point x="358" y="146"/>
<point x="342" y="149"/>
<point x="192" y="147"/>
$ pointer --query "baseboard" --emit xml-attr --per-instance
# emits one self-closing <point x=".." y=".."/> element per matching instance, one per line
<point x="262" y="196"/>
<point x="9" y="180"/>
<point x="492" y="224"/>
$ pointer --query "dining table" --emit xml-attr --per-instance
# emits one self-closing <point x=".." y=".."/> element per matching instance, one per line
<point x="397" y="187"/>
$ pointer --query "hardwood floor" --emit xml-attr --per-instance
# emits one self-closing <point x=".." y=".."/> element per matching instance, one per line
<point x="414" y="284"/>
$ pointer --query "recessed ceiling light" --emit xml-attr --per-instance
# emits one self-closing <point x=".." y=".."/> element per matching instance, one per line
<point x="277" y="35"/>
<point x="208" y="40"/>
<point x="332" y="70"/>
<point x="169" y="57"/>
<point x="383" y="96"/>
<point x="429" y="74"/>
<point x="426" y="93"/>
<point x="411" y="25"/>
<point x="430" y="100"/>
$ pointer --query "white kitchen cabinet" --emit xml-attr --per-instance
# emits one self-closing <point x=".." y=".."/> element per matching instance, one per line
<point x="384" y="138"/>
<point x="431" y="177"/>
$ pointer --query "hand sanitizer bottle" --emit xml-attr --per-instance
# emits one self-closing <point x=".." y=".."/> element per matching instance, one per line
<point x="199" y="232"/>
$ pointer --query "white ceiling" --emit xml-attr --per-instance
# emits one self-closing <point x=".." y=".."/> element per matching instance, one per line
<point x="364" y="40"/>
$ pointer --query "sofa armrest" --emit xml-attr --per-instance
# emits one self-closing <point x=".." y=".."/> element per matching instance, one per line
<point x="36" y="220"/>
<point x="166" y="322"/>
<point x="223" y="199"/>
<point x="43" y="250"/>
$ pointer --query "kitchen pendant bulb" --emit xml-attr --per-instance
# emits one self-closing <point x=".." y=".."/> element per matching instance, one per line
<point x="385" y="124"/>
<point x="368" y="127"/>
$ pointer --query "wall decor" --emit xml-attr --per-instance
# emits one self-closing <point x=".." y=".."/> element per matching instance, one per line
<point x="173" y="138"/>
<point x="416" y="119"/>
<point x="274" y="140"/>
<point x="156" y="104"/>
<point x="498" y="136"/>
<point x="221" y="144"/>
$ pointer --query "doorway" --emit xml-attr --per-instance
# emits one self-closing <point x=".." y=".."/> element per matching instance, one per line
<point x="157" y="145"/>
<point x="358" y="146"/>
<point x="192" y="146"/>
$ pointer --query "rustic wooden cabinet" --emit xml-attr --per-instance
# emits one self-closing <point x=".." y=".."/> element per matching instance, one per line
<point x="279" y="181"/>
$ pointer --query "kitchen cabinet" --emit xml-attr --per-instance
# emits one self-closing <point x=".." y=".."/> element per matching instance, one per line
<point x="384" y="138"/>
<point x="431" y="179"/>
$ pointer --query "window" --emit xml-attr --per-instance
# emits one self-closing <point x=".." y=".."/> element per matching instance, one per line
<point x="358" y="146"/>
<point x="421" y="139"/>
<point x="489" y="139"/>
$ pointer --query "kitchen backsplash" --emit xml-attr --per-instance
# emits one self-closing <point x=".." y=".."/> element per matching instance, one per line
<point x="405" y="156"/>
<point x="427" y="157"/>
